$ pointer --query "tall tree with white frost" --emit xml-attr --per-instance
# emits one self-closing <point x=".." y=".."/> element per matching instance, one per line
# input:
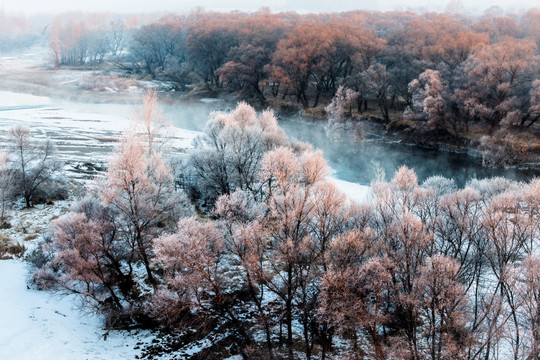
<point x="140" y="187"/>
<point x="228" y="155"/>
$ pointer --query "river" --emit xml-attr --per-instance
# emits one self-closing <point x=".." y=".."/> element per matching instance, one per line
<point x="355" y="162"/>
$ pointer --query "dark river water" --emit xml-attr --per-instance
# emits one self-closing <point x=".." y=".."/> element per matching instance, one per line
<point x="352" y="161"/>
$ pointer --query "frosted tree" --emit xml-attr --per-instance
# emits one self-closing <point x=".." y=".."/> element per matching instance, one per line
<point x="525" y="285"/>
<point x="246" y="240"/>
<point x="508" y="231"/>
<point x="443" y="304"/>
<point x="405" y="240"/>
<point x="228" y="156"/>
<point x="341" y="118"/>
<point x="149" y="122"/>
<point x="432" y="103"/>
<point x="495" y="77"/>
<point x="356" y="291"/>
<point x="6" y="188"/>
<point x="87" y="257"/>
<point x="534" y="114"/>
<point x="302" y="215"/>
<point x="102" y="249"/>
<point x="377" y="82"/>
<point x="193" y="259"/>
<point x="140" y="188"/>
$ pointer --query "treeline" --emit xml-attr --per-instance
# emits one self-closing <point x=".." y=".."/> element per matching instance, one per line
<point x="78" y="39"/>
<point x="17" y="33"/>
<point x="282" y="263"/>
<point x="450" y="74"/>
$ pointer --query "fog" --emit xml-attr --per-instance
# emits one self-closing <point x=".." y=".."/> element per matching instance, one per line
<point x="359" y="161"/>
<point x="356" y="162"/>
<point x="302" y="6"/>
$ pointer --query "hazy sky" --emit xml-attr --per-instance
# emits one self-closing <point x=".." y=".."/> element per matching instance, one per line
<point x="54" y="6"/>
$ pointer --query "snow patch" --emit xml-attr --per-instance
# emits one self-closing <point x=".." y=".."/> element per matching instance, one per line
<point x="209" y="100"/>
<point x="354" y="191"/>
<point x="9" y="99"/>
<point x="38" y="325"/>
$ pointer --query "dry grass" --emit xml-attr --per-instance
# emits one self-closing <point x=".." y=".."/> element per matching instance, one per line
<point x="31" y="237"/>
<point x="400" y="124"/>
<point x="317" y="113"/>
<point x="10" y="249"/>
<point x="105" y="83"/>
<point x="526" y="141"/>
<point x="284" y="106"/>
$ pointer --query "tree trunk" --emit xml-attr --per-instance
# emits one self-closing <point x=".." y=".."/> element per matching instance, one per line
<point x="288" y="314"/>
<point x="145" y="259"/>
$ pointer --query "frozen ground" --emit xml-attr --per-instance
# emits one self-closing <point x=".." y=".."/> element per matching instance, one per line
<point x="354" y="191"/>
<point x="83" y="139"/>
<point x="38" y="325"/>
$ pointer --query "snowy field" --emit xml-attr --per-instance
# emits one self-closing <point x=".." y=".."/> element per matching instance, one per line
<point x="83" y="139"/>
<point x="39" y="325"/>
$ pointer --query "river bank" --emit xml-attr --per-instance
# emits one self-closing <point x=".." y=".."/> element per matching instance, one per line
<point x="103" y="88"/>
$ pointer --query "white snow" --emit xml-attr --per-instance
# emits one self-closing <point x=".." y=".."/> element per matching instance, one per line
<point x="38" y="325"/>
<point x="8" y="98"/>
<point x="80" y="136"/>
<point x="354" y="191"/>
<point x="209" y="100"/>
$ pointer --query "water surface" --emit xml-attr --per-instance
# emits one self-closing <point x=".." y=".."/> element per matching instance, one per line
<point x="355" y="162"/>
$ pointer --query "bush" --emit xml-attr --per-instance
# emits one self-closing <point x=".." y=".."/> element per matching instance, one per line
<point x="37" y="258"/>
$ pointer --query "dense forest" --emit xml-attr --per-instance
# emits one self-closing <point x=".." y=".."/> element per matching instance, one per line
<point x="441" y="78"/>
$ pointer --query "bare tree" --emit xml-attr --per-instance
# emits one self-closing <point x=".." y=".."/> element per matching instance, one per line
<point x="34" y="166"/>
<point x="149" y="122"/>
<point x="6" y="187"/>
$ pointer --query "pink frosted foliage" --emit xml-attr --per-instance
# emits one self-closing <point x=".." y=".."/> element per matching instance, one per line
<point x="85" y="259"/>
<point x="342" y="122"/>
<point x="191" y="259"/>
<point x="229" y="153"/>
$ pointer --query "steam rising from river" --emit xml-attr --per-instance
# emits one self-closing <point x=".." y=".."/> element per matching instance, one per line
<point x="356" y="162"/>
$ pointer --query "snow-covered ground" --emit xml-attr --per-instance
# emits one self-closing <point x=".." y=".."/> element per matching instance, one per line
<point x="354" y="191"/>
<point x="81" y="137"/>
<point x="39" y="325"/>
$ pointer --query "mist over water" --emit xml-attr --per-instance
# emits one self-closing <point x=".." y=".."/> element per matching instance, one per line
<point x="355" y="162"/>
<point x="358" y="161"/>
